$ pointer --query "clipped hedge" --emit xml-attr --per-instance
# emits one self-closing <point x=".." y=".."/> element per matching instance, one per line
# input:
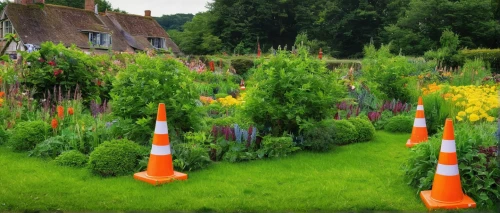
<point x="26" y="135"/>
<point x="345" y="132"/>
<point x="72" y="158"/>
<point x="400" y="123"/>
<point x="115" y="158"/>
<point x="365" y="129"/>
<point x="491" y="56"/>
<point x="319" y="136"/>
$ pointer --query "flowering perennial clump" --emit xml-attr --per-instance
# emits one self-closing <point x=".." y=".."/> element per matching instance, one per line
<point x="472" y="103"/>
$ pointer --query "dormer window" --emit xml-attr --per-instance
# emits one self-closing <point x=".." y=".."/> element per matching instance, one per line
<point x="158" y="43"/>
<point x="100" y="40"/>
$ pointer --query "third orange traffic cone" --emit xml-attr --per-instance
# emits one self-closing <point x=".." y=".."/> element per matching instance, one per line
<point x="419" y="132"/>
<point x="446" y="190"/>
<point x="160" y="168"/>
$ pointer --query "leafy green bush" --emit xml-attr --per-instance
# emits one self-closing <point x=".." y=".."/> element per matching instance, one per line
<point x="345" y="132"/>
<point x="51" y="147"/>
<point x="115" y="158"/>
<point x="72" y="158"/>
<point x="387" y="72"/>
<point x="478" y="167"/>
<point x="400" y="123"/>
<point x="472" y="73"/>
<point x="55" y="65"/>
<point x="242" y="65"/>
<point x="275" y="147"/>
<point x="365" y="129"/>
<point x="26" y="135"/>
<point x="193" y="153"/>
<point x="139" y="89"/>
<point x="319" y="136"/>
<point x="289" y="89"/>
<point x="436" y="111"/>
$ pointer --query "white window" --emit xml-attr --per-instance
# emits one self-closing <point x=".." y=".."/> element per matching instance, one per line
<point x="158" y="43"/>
<point x="7" y="28"/>
<point x="102" y="40"/>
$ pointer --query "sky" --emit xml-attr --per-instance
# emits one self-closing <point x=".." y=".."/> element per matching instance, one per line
<point x="160" y="7"/>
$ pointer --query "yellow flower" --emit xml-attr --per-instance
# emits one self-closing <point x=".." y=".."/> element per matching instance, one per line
<point x="473" y="118"/>
<point x="490" y="119"/>
<point x="459" y="118"/>
<point x="462" y="114"/>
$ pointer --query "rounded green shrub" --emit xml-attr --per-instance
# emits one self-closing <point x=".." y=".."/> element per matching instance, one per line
<point x="115" y="158"/>
<point x="400" y="123"/>
<point x="345" y="132"/>
<point x="364" y="127"/>
<point x="140" y="87"/>
<point x="26" y="135"/>
<point x="72" y="158"/>
<point x="319" y="137"/>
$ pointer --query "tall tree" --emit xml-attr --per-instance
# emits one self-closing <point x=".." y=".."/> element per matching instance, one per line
<point x="424" y="21"/>
<point x="174" y="22"/>
<point x="197" y="37"/>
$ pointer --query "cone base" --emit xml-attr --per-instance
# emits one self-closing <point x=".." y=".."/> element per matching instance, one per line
<point x="431" y="204"/>
<point x="410" y="144"/>
<point x="143" y="176"/>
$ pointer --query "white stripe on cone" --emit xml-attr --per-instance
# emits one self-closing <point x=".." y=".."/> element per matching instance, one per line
<point x="160" y="150"/>
<point x="447" y="170"/>
<point x="161" y="128"/>
<point x="419" y="122"/>
<point x="420" y="107"/>
<point x="448" y="146"/>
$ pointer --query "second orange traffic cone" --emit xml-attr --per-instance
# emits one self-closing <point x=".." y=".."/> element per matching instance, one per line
<point x="419" y="132"/>
<point x="160" y="168"/>
<point x="446" y="190"/>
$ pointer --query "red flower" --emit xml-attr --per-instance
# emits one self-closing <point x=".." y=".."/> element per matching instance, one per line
<point x="2" y="94"/>
<point x="60" y="112"/>
<point x="54" y="123"/>
<point x="41" y="60"/>
<point x="57" y="72"/>
<point x="52" y="63"/>
<point x="71" y="111"/>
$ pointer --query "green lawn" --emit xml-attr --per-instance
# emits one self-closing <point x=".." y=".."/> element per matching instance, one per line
<point x="357" y="177"/>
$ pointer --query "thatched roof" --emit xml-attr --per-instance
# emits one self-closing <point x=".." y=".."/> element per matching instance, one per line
<point x="37" y="23"/>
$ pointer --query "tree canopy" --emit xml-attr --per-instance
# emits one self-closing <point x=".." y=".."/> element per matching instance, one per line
<point x="174" y="22"/>
<point x="343" y="27"/>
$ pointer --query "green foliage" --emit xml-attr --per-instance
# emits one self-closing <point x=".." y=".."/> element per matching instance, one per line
<point x="288" y="89"/>
<point x="345" y="132"/>
<point x="312" y="46"/>
<point x="319" y="136"/>
<point x="447" y="54"/>
<point x="174" y="22"/>
<point x="472" y="73"/>
<point x="57" y="66"/>
<point x="193" y="153"/>
<point x="4" y="136"/>
<point x="72" y="158"/>
<point x="365" y="129"/>
<point x="436" y="112"/>
<point x="388" y="72"/>
<point x="472" y="20"/>
<point x="26" y="135"/>
<point x="275" y="147"/>
<point x="241" y="65"/>
<point x="115" y="158"/>
<point x="198" y="37"/>
<point x="237" y="152"/>
<point x="479" y="170"/>
<point x="400" y="124"/>
<point x="51" y="147"/>
<point x="139" y="89"/>
<point x="490" y="56"/>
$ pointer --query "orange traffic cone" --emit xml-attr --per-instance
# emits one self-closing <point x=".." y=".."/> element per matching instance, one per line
<point x="446" y="190"/>
<point x="242" y="84"/>
<point x="419" y="132"/>
<point x="160" y="168"/>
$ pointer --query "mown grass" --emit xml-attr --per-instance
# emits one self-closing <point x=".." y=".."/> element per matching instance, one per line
<point x="358" y="177"/>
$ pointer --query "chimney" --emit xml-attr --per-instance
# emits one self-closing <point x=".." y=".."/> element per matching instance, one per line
<point x="90" y="5"/>
<point x="147" y="13"/>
